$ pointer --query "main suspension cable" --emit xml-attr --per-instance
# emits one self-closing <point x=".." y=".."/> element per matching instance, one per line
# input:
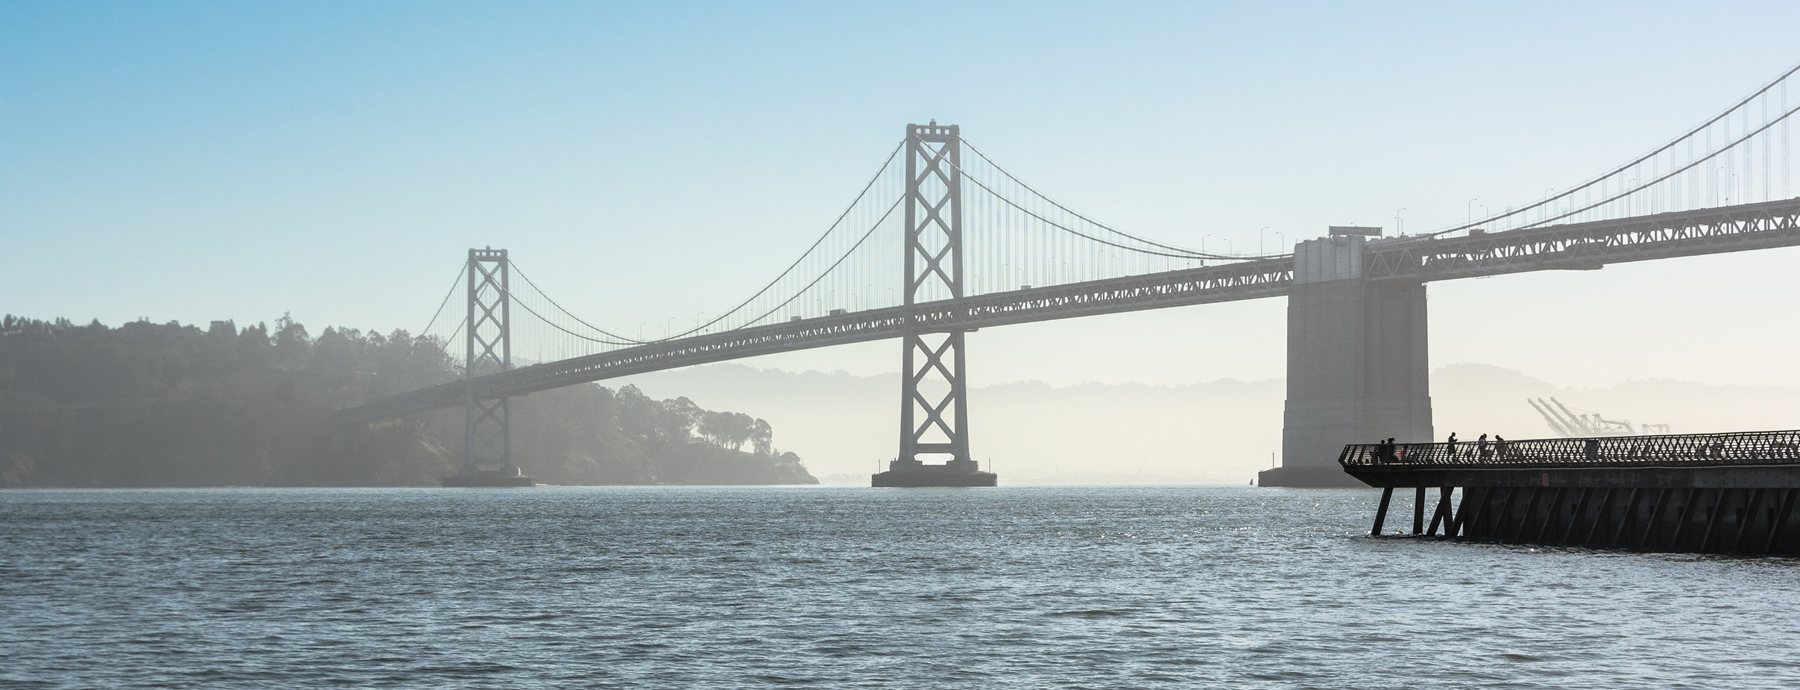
<point x="1072" y="212"/>
<point x="1184" y="254"/>
<point x="1623" y="168"/>
<point x="759" y="293"/>
<point x="541" y="293"/>
<point x="1658" y="180"/>
<point x="446" y="302"/>
<point x="797" y="295"/>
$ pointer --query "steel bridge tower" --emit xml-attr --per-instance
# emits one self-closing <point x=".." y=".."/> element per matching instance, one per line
<point x="934" y="400"/>
<point x="487" y="333"/>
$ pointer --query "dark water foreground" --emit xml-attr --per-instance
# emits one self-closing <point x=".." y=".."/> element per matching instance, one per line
<point x="845" y="587"/>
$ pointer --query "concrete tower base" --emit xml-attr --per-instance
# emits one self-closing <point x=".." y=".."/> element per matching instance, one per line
<point x="485" y="479"/>
<point x="1357" y="363"/>
<point x="1308" y="478"/>
<point x="915" y="474"/>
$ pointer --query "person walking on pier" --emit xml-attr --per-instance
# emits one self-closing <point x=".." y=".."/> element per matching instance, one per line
<point x="1499" y="446"/>
<point x="1452" y="445"/>
<point x="1481" y="447"/>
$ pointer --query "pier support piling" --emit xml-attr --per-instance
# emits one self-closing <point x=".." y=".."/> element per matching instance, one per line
<point x="1387" y="494"/>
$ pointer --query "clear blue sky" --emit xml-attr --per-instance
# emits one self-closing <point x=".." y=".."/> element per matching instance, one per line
<point x="193" y="161"/>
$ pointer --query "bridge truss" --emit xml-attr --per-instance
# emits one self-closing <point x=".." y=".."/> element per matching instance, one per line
<point x="978" y="248"/>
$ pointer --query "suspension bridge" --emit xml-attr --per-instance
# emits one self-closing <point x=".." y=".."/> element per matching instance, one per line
<point x="943" y="241"/>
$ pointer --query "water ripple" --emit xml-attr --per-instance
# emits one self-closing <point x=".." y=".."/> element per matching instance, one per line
<point x="844" y="588"/>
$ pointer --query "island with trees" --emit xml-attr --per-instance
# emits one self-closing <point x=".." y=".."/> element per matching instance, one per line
<point x="147" y="404"/>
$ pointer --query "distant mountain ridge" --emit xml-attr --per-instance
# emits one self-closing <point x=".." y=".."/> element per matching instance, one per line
<point x="1218" y="431"/>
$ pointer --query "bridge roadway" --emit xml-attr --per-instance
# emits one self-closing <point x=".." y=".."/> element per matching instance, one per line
<point x="1578" y="246"/>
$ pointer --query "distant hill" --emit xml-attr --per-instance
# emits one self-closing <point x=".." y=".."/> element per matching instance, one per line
<point x="1221" y="431"/>
<point x="170" y="405"/>
<point x="1477" y="398"/>
<point x="847" y="426"/>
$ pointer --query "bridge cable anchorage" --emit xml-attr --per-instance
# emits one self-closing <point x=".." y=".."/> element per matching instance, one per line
<point x="1688" y="137"/>
<point x="1181" y="252"/>
<point x="1177" y="253"/>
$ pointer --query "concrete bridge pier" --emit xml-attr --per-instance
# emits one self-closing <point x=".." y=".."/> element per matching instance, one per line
<point x="1357" y="366"/>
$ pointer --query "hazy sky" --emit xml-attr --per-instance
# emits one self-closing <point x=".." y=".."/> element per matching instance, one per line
<point x="648" y="161"/>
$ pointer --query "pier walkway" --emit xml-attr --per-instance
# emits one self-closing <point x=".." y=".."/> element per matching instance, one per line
<point x="1720" y="493"/>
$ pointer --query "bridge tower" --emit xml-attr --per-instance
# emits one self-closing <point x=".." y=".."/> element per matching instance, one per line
<point x="487" y="333"/>
<point x="1357" y="361"/>
<point x="934" y="401"/>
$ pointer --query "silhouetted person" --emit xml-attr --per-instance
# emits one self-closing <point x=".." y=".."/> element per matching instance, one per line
<point x="1500" y="446"/>
<point x="1481" y="447"/>
<point x="1452" y="444"/>
<point x="1390" y="449"/>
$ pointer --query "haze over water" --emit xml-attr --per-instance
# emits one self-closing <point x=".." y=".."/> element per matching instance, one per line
<point x="1024" y="587"/>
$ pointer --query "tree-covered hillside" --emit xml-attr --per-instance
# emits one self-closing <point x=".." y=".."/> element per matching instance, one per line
<point x="170" y="405"/>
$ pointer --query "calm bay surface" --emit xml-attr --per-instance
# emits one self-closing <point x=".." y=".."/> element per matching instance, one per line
<point x="1029" y="587"/>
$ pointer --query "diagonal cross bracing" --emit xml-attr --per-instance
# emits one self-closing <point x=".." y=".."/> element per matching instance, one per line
<point x="487" y="421"/>
<point x="933" y="221"/>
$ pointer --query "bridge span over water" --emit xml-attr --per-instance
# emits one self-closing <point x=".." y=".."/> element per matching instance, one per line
<point x="976" y="247"/>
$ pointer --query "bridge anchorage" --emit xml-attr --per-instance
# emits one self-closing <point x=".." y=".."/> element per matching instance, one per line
<point x="934" y="393"/>
<point x="487" y="420"/>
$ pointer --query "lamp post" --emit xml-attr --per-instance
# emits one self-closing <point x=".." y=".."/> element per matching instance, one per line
<point x="1282" y="239"/>
<point x="1470" y="207"/>
<point x="1399" y="229"/>
<point x="1259" y="241"/>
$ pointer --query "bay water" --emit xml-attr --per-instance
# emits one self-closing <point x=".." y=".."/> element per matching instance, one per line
<point x="846" y="587"/>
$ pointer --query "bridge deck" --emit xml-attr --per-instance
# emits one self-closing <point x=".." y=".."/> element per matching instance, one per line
<point x="1230" y="282"/>
<point x="1575" y="246"/>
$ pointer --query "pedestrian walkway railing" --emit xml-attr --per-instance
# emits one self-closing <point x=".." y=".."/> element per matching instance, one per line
<point x="1737" y="448"/>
